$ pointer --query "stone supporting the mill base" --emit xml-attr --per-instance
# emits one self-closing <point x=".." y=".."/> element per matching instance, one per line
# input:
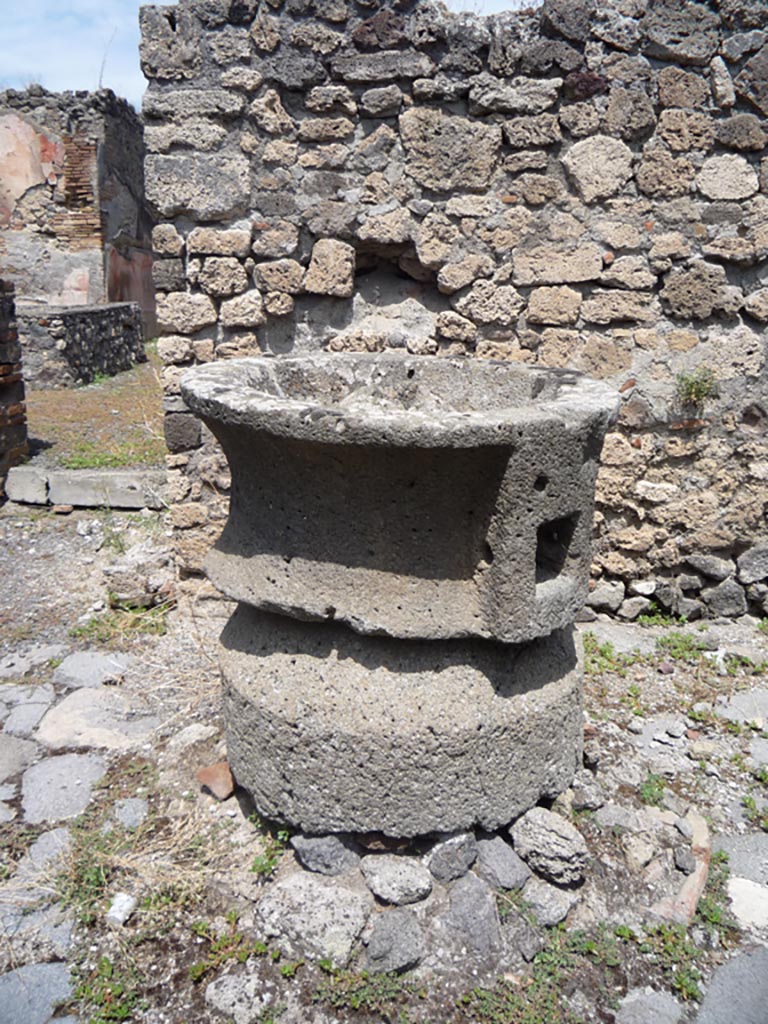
<point x="335" y="732"/>
<point x="442" y="510"/>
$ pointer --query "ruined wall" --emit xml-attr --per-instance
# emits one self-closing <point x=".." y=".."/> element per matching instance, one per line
<point x="13" y="420"/>
<point x="74" y="228"/>
<point x="581" y="185"/>
<point x="72" y="345"/>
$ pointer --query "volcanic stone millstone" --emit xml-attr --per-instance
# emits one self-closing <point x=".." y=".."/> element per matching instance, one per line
<point x="332" y="731"/>
<point x="405" y="496"/>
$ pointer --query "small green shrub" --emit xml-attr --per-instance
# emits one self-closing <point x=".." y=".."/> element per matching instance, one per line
<point x="714" y="906"/>
<point x="372" y="993"/>
<point x="680" y="647"/>
<point x="652" y="790"/>
<point x="232" y="945"/>
<point x="265" y="863"/>
<point x="603" y="657"/>
<point x="109" y="992"/>
<point x="695" y="387"/>
<point x="658" y="616"/>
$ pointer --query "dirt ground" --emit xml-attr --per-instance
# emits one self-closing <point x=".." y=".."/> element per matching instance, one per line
<point x="114" y="422"/>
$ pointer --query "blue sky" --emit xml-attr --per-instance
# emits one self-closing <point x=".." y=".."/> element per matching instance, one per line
<point x="80" y="44"/>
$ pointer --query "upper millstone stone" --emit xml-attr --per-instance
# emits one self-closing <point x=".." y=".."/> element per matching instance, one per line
<point x="419" y="498"/>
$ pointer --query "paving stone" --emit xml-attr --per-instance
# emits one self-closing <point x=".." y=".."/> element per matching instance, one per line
<point x="239" y="997"/>
<point x="60" y="787"/>
<point x="641" y="1005"/>
<point x="248" y="995"/>
<point x="31" y="994"/>
<point x="16" y="754"/>
<point x="738" y="991"/>
<point x="34" y="935"/>
<point x="747" y="855"/>
<point x="43" y="854"/>
<point x="625" y="638"/>
<point x="312" y="914"/>
<point x="396" y="879"/>
<point x="91" y="669"/>
<point x="26" y="714"/>
<point x="326" y="855"/>
<point x="749" y="902"/>
<point x="18" y="663"/>
<point x="95" y="718"/>
<point x="189" y="736"/>
<point x="746" y="706"/>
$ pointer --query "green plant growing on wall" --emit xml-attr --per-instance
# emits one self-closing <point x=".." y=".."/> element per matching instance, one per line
<point x="695" y="387"/>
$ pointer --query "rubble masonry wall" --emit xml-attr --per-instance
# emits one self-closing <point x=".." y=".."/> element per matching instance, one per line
<point x="67" y="345"/>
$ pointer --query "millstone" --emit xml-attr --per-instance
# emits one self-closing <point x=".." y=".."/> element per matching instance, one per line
<point x="332" y="731"/>
<point x="408" y="542"/>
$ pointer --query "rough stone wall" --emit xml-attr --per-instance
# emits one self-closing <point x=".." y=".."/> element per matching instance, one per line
<point x="71" y="345"/>
<point x="74" y="227"/>
<point x="13" y="419"/>
<point x="583" y="185"/>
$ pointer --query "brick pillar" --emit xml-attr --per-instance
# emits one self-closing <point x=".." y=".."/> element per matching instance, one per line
<point x="13" y="411"/>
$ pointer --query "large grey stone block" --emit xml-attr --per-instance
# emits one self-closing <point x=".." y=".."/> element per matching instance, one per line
<point x="31" y="994"/>
<point x="109" y="488"/>
<point x="406" y="496"/>
<point x="334" y="732"/>
<point x="27" y="485"/>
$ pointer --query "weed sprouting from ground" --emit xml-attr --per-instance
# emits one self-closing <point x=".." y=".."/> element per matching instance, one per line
<point x="231" y="945"/>
<point x="110" y="991"/>
<point x="651" y="791"/>
<point x="265" y="863"/>
<point x="603" y="657"/>
<point x="754" y="814"/>
<point x="668" y="947"/>
<point x="373" y="993"/>
<point x="681" y="647"/>
<point x="121" y="624"/>
<point x="713" y="910"/>
<point x="695" y="387"/>
<point x="658" y="616"/>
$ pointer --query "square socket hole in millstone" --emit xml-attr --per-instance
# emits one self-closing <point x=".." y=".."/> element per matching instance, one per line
<point x="553" y="544"/>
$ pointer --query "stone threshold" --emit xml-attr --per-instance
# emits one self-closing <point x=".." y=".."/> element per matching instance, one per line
<point x="136" y="488"/>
